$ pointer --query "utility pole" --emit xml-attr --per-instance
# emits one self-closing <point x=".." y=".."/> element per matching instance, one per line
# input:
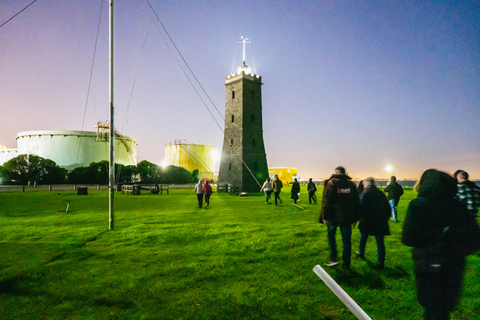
<point x="111" y="176"/>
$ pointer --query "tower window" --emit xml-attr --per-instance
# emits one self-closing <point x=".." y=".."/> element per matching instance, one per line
<point x="253" y="142"/>
<point x="233" y="118"/>
<point x="252" y="116"/>
<point x="231" y="142"/>
<point x="229" y="166"/>
<point x="233" y="94"/>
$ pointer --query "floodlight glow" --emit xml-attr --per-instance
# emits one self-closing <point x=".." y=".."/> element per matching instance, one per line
<point x="164" y="164"/>
<point x="389" y="168"/>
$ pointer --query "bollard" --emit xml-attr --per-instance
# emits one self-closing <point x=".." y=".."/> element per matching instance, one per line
<point x="23" y="189"/>
<point x="98" y="187"/>
<point x="35" y="184"/>
<point x="49" y="187"/>
<point x="74" y="187"/>
<point x="161" y="189"/>
<point x="68" y="206"/>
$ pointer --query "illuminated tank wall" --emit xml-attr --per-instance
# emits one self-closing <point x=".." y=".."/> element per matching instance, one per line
<point x="71" y="149"/>
<point x="191" y="157"/>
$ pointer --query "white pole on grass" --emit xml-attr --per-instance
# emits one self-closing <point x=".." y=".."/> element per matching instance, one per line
<point x="341" y="294"/>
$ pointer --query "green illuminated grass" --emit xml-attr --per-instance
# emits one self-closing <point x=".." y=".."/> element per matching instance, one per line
<point x="168" y="259"/>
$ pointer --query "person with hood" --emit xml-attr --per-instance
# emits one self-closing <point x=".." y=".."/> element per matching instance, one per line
<point x="277" y="187"/>
<point x="442" y="233"/>
<point x="374" y="216"/>
<point x="295" y="190"/>
<point x="468" y="192"/>
<point x="394" y="192"/>
<point x="311" y="188"/>
<point x="199" y="191"/>
<point x="267" y="188"/>
<point x="207" y="190"/>
<point x="341" y="210"/>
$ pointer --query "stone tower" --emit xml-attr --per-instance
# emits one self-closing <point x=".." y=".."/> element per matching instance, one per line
<point x="244" y="161"/>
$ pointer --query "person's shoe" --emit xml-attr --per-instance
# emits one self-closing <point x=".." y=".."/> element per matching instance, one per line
<point x="281" y="201"/>
<point x="266" y="202"/>
<point x="361" y="256"/>
<point x="380" y="266"/>
<point x="345" y="267"/>
<point x="331" y="263"/>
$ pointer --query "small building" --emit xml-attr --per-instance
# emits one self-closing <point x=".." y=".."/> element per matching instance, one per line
<point x="286" y="175"/>
<point x="191" y="157"/>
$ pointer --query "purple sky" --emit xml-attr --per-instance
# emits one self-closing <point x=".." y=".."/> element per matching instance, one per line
<point x="361" y="84"/>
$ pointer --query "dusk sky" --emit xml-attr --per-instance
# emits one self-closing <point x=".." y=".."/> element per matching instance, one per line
<point x="362" y="84"/>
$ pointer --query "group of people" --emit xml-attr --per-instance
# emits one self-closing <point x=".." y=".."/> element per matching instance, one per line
<point x="277" y="185"/>
<point x="439" y="225"/>
<point x="202" y="188"/>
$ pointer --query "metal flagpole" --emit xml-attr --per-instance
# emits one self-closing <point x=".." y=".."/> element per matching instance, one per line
<point x="111" y="176"/>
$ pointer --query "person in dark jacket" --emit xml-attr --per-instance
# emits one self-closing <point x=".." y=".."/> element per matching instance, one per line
<point x="311" y="188"/>
<point x="277" y="188"/>
<point x="442" y="233"/>
<point x="341" y="210"/>
<point x="394" y="192"/>
<point x="295" y="191"/>
<point x="374" y="216"/>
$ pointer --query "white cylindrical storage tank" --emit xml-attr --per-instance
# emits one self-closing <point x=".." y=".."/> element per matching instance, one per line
<point x="72" y="149"/>
<point x="192" y="157"/>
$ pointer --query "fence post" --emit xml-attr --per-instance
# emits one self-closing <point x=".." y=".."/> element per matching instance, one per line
<point x="49" y="187"/>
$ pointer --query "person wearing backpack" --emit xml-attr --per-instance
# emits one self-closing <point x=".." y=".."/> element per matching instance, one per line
<point x="277" y="187"/>
<point x="468" y="192"/>
<point x="394" y="192"/>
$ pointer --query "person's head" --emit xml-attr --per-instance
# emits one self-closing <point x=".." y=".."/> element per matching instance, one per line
<point x="368" y="182"/>
<point x="340" y="170"/>
<point x="276" y="177"/>
<point x="200" y="181"/>
<point x="437" y="184"/>
<point x="393" y="178"/>
<point x="461" y="176"/>
<point x="310" y="180"/>
<point x="295" y="180"/>
<point x="205" y="182"/>
<point x="268" y="178"/>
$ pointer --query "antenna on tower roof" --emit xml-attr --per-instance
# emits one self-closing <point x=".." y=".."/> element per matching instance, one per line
<point x="244" y="41"/>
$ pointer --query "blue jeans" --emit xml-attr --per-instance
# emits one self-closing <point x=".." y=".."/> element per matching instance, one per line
<point x="267" y="195"/>
<point x="346" y="232"/>
<point x="393" y="206"/>
<point x="380" y="247"/>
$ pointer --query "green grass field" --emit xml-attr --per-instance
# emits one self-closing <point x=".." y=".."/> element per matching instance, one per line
<point x="168" y="259"/>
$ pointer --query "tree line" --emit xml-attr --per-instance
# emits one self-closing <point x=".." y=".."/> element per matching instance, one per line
<point x="31" y="168"/>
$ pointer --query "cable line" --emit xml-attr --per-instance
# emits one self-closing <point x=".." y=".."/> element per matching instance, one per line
<point x="1" y="25"/>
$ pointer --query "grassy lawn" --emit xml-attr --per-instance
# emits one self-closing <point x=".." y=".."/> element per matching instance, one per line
<point x="168" y="259"/>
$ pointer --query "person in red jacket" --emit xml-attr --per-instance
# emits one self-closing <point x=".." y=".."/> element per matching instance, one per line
<point x="341" y="210"/>
<point x="207" y="191"/>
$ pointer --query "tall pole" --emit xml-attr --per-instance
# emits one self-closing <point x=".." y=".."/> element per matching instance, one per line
<point x="111" y="176"/>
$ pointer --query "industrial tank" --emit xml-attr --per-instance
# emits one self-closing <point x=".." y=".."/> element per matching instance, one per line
<point x="72" y="149"/>
<point x="191" y="157"/>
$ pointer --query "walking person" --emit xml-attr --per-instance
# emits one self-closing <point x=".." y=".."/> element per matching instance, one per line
<point x="442" y="233"/>
<point x="394" y="192"/>
<point x="311" y="188"/>
<point x="341" y="210"/>
<point x="468" y="192"/>
<point x="277" y="187"/>
<point x="199" y="191"/>
<point x="294" y="193"/>
<point x="207" y="190"/>
<point x="267" y="188"/>
<point x="374" y="216"/>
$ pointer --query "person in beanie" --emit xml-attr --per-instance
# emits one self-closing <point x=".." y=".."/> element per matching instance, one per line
<point x="207" y="190"/>
<point x="394" y="192"/>
<point x="374" y="216"/>
<point x="199" y="191"/>
<point x="341" y="210"/>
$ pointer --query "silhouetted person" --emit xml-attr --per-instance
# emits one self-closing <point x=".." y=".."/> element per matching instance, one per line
<point x="442" y="233"/>
<point x="341" y="210"/>
<point x="295" y="190"/>
<point x="374" y="216"/>
<point x="311" y="188"/>
<point x="394" y="191"/>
